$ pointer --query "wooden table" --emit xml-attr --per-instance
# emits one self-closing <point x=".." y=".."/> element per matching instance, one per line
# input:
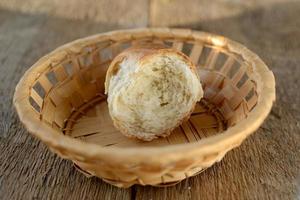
<point x="266" y="166"/>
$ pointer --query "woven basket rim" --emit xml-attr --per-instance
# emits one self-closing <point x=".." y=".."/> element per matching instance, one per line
<point x="232" y="135"/>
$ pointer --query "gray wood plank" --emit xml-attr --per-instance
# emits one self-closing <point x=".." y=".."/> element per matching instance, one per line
<point x="267" y="165"/>
<point x="28" y="170"/>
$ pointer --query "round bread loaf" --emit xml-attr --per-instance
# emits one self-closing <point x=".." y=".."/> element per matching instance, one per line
<point x="151" y="90"/>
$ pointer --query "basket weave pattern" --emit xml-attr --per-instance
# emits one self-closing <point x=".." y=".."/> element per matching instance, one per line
<point x="60" y="90"/>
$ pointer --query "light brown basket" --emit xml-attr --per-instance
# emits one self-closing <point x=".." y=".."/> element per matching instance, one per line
<point x="61" y="101"/>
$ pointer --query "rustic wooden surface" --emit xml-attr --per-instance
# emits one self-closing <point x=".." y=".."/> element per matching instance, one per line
<point x="266" y="166"/>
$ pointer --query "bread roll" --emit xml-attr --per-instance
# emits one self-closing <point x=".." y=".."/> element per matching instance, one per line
<point x="151" y="90"/>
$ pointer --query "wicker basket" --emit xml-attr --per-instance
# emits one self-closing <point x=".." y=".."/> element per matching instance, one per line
<point x="61" y="101"/>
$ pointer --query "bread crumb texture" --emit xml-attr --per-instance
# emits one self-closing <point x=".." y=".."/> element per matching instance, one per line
<point x="149" y="96"/>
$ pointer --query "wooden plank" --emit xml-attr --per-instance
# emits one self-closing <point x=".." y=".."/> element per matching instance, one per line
<point x="28" y="170"/>
<point x="266" y="166"/>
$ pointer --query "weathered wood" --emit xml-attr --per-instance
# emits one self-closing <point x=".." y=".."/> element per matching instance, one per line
<point x="28" y="170"/>
<point x="266" y="166"/>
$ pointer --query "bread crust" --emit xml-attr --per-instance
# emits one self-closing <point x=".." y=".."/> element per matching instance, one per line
<point x="147" y="52"/>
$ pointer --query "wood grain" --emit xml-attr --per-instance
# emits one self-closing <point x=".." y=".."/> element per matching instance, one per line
<point x="28" y="170"/>
<point x="266" y="166"/>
